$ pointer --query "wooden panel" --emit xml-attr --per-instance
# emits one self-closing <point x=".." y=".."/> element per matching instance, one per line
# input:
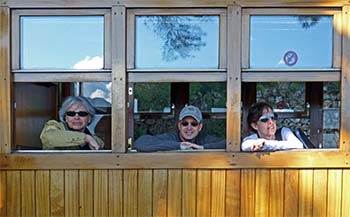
<point x="218" y="184"/>
<point x="71" y="193"/>
<point x="144" y="204"/>
<point x="57" y="193"/>
<point x="248" y="192"/>
<point x="42" y="192"/>
<point x="346" y="194"/>
<point x="86" y="193"/>
<point x="177" y="77"/>
<point x="61" y="77"/>
<point x="189" y="183"/>
<point x="100" y="193"/>
<point x="5" y="81"/>
<point x="197" y="159"/>
<point x="262" y="192"/>
<point x="204" y="193"/>
<point x="344" y="136"/>
<point x="13" y="193"/>
<point x="28" y="193"/>
<point x="291" y="193"/>
<point x="130" y="193"/>
<point x="276" y="192"/>
<point x="119" y="109"/>
<point x="233" y="104"/>
<point x="115" y="192"/>
<point x="3" y="197"/>
<point x="334" y="192"/>
<point x="233" y="192"/>
<point x="320" y="193"/>
<point x="174" y="192"/>
<point x="160" y="187"/>
<point x="290" y="76"/>
<point x="305" y="192"/>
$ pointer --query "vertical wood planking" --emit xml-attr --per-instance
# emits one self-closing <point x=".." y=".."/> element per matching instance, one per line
<point x="346" y="193"/>
<point x="71" y="194"/>
<point x="233" y="133"/>
<point x="276" y="192"/>
<point x="320" y="193"/>
<point x="189" y="189"/>
<point x="86" y="193"/>
<point x="5" y="82"/>
<point x="218" y="189"/>
<point x="119" y="109"/>
<point x="262" y="191"/>
<point x="291" y="193"/>
<point x="247" y="192"/>
<point x="305" y="192"/>
<point x="115" y="192"/>
<point x="101" y="193"/>
<point x="203" y="192"/>
<point x="160" y="187"/>
<point x="130" y="193"/>
<point x="174" y="192"/>
<point x="28" y="193"/>
<point x="42" y="192"/>
<point x="334" y="192"/>
<point x="3" y="197"/>
<point x="144" y="193"/>
<point x="57" y="193"/>
<point x="13" y="193"/>
<point x="233" y="192"/>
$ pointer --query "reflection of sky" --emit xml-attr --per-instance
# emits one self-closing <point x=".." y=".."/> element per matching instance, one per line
<point x="59" y="42"/>
<point x="272" y="36"/>
<point x="148" y="52"/>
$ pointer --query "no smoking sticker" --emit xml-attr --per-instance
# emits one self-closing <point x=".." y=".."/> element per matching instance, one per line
<point x="290" y="58"/>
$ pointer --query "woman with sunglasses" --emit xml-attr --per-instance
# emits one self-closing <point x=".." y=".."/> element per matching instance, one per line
<point x="266" y="137"/>
<point x="187" y="137"/>
<point x="71" y="132"/>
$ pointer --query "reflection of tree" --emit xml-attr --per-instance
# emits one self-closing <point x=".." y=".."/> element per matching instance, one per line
<point x="308" y="21"/>
<point x="181" y="34"/>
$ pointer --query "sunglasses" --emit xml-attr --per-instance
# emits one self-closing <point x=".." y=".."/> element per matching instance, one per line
<point x="186" y="123"/>
<point x="80" y="113"/>
<point x="265" y="118"/>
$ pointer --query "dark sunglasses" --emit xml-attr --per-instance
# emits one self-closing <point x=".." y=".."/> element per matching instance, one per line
<point x="265" y="118"/>
<point x="186" y="123"/>
<point x="81" y="113"/>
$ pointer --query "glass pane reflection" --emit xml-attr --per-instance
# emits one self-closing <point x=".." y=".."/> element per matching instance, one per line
<point x="291" y="41"/>
<point x="177" y="42"/>
<point x="62" y="42"/>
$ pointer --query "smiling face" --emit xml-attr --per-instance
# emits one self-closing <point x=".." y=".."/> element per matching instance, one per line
<point x="76" y="122"/>
<point x="189" y="129"/>
<point x="266" y="129"/>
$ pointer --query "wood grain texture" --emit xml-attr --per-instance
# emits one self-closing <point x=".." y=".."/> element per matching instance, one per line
<point x="291" y="192"/>
<point x="42" y="193"/>
<point x="248" y="192"/>
<point x="86" y="192"/>
<point x="305" y="192"/>
<point x="144" y="204"/>
<point x="320" y="193"/>
<point x="174" y="192"/>
<point x="346" y="193"/>
<point x="3" y="194"/>
<point x="203" y="193"/>
<point x="71" y="192"/>
<point x="218" y="190"/>
<point x="334" y="192"/>
<point x="276" y="199"/>
<point x="13" y="193"/>
<point x="57" y="206"/>
<point x="100" y="193"/>
<point x="115" y="181"/>
<point x="262" y="192"/>
<point x="130" y="193"/>
<point x="160" y="192"/>
<point x="233" y="192"/>
<point x="28" y="193"/>
<point x="189" y="192"/>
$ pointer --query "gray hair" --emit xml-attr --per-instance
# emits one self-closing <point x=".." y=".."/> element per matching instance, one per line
<point x="72" y="100"/>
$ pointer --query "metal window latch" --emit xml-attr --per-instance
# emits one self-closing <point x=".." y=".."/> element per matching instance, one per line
<point x="130" y="91"/>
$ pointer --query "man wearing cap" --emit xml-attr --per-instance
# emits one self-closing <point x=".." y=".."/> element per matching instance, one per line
<point x="187" y="137"/>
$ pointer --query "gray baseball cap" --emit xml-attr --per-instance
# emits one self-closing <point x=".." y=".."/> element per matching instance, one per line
<point x="191" y="111"/>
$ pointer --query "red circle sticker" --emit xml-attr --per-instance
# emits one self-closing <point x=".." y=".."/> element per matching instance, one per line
<point x="290" y="58"/>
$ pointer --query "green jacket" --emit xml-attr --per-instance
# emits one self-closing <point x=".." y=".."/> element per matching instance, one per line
<point x="56" y="136"/>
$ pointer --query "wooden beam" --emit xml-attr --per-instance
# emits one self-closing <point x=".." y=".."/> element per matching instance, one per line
<point x="290" y="76"/>
<point x="177" y="77"/>
<point x="5" y="82"/>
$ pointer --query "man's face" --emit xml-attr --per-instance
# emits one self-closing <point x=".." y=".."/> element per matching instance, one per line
<point x="189" y="129"/>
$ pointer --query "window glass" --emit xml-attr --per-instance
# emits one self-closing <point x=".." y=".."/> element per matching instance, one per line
<point x="177" y="42"/>
<point x="291" y="41"/>
<point x="62" y="42"/>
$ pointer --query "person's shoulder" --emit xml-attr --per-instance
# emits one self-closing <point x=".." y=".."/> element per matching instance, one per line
<point x="286" y="130"/>
<point x="54" y="123"/>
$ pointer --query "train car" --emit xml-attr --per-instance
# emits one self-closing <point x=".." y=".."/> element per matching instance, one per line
<point x="140" y="62"/>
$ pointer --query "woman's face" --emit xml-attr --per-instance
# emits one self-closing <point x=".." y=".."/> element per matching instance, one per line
<point x="77" y="117"/>
<point x="266" y="129"/>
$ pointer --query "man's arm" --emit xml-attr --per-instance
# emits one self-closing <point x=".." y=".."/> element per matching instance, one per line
<point x="162" y="142"/>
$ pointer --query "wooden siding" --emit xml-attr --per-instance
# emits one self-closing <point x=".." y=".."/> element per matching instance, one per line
<point x="175" y="192"/>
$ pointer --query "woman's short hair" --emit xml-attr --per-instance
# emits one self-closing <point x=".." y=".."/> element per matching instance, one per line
<point x="255" y="112"/>
<point x="72" y="100"/>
